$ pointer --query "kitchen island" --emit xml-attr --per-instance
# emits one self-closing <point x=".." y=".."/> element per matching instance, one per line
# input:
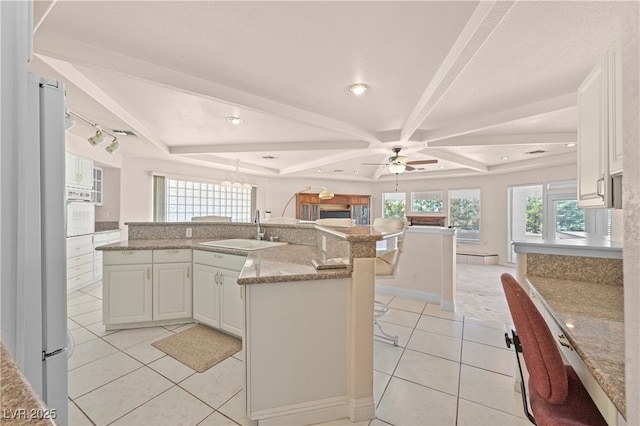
<point x="577" y="286"/>
<point x="307" y="333"/>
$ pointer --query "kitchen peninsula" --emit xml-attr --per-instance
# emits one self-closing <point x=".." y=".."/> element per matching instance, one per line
<point x="577" y="285"/>
<point x="307" y="333"/>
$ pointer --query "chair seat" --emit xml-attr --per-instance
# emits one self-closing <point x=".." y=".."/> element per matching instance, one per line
<point x="577" y="409"/>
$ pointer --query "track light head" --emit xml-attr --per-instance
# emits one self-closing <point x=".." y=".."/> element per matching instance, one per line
<point x="97" y="138"/>
<point x="113" y="146"/>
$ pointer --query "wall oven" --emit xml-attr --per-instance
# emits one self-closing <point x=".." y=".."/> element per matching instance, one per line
<point x="81" y="213"/>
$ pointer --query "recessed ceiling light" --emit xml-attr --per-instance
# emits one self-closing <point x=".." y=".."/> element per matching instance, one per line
<point x="355" y="172"/>
<point x="235" y="120"/>
<point x="123" y="132"/>
<point x="319" y="170"/>
<point x="504" y="158"/>
<point x="358" y="88"/>
<point x="570" y="144"/>
<point x="441" y="167"/>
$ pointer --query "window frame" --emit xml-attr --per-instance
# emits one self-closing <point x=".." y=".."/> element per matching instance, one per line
<point x="460" y="239"/>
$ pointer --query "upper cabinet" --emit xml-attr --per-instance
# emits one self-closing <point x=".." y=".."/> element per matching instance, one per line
<point x="356" y="207"/>
<point x="78" y="171"/>
<point x="600" y="133"/>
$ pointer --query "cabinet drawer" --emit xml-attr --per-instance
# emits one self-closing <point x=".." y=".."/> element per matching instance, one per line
<point x="75" y="282"/>
<point x="221" y="260"/>
<point x="172" y="255"/>
<point x="79" y="260"/>
<point x="127" y="257"/>
<point x="79" y="270"/>
<point x="106" y="238"/>
<point x="75" y="250"/>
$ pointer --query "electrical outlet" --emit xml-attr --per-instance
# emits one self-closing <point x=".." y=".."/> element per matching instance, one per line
<point x="188" y="232"/>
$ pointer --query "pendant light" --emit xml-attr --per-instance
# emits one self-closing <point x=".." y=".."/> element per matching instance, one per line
<point x="236" y="179"/>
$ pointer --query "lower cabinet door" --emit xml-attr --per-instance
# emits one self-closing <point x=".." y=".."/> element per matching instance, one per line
<point x="127" y="293"/>
<point x="172" y="293"/>
<point x="232" y="304"/>
<point x="206" y="295"/>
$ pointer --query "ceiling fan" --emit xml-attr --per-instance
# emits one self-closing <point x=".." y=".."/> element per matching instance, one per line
<point x="398" y="164"/>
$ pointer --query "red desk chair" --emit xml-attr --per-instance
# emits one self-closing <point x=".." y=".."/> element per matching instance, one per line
<point x="556" y="393"/>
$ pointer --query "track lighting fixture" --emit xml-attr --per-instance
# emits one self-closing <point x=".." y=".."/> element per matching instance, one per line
<point x="113" y="146"/>
<point x="98" y="138"/>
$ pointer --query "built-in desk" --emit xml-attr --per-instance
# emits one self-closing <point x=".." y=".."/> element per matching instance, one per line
<point x="578" y="289"/>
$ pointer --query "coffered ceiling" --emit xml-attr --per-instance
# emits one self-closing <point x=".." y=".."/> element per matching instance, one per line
<point x="468" y="83"/>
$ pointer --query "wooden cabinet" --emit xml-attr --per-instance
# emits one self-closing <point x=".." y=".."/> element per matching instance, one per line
<point x="310" y="207"/>
<point x="172" y="291"/>
<point x="218" y="300"/>
<point x="78" y="171"/>
<point x="600" y="132"/>
<point x="127" y="287"/>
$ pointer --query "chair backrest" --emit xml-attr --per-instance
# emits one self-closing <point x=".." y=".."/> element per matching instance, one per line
<point x="387" y="263"/>
<point x="547" y="372"/>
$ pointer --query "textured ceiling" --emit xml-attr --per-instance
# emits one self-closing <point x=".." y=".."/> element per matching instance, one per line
<point x="465" y="83"/>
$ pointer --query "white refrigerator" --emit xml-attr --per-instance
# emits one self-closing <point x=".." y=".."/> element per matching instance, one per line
<point x="42" y="245"/>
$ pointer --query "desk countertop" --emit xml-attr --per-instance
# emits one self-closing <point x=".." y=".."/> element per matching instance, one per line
<point x="591" y="315"/>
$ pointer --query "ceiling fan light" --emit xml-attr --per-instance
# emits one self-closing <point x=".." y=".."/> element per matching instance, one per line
<point x="397" y="168"/>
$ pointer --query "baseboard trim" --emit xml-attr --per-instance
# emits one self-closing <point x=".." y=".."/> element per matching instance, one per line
<point x="448" y="305"/>
<point x="362" y="409"/>
<point x="320" y="411"/>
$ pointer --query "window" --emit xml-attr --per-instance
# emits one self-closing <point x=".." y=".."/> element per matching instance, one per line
<point x="180" y="200"/>
<point x="96" y="194"/>
<point x="567" y="221"/>
<point x="427" y="202"/>
<point x="525" y="215"/>
<point x="464" y="214"/>
<point x="393" y="204"/>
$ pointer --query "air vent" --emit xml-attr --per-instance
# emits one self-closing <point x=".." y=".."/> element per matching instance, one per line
<point x="537" y="151"/>
<point x="269" y="157"/>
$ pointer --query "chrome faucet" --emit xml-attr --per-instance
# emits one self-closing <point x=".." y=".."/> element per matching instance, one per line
<point x="259" y="231"/>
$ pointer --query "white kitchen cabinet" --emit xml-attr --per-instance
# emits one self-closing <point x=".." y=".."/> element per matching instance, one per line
<point x="217" y="297"/>
<point x="600" y="133"/>
<point x="172" y="290"/>
<point x="80" y="263"/>
<point x="78" y="171"/>
<point x="102" y="239"/>
<point x="127" y="287"/>
<point x="615" y="108"/>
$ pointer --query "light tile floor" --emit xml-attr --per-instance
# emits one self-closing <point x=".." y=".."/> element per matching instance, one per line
<point x="449" y="368"/>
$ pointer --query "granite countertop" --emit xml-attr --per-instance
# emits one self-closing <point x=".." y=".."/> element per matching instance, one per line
<point x="572" y="247"/>
<point x="591" y="315"/>
<point x="20" y="404"/>
<point x="284" y="263"/>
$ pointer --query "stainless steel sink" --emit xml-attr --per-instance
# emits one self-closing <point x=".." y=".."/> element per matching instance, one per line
<point x="243" y="244"/>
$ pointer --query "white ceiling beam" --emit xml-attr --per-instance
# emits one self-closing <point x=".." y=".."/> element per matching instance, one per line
<point x="269" y="147"/>
<point x="68" y="49"/>
<point x="485" y="19"/>
<point x="321" y="162"/>
<point x="499" y="140"/>
<point x="225" y="163"/>
<point x="456" y="159"/>
<point x="546" y="161"/>
<point x="475" y="124"/>
<point x="85" y="84"/>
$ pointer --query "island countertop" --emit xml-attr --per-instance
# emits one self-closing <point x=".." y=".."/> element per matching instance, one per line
<point x="285" y="263"/>
<point x="591" y="315"/>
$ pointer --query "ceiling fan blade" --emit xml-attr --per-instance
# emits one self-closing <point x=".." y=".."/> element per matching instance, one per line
<point x="374" y="164"/>
<point x="414" y="163"/>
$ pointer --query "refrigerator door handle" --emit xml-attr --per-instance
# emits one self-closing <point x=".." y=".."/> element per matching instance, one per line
<point x="46" y="355"/>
